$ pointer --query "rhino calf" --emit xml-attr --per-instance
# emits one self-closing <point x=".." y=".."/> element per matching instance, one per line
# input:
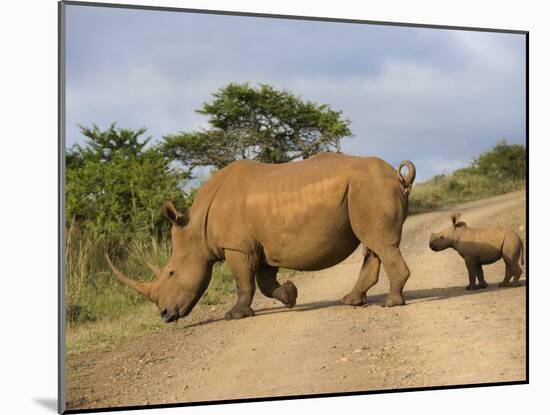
<point x="481" y="247"/>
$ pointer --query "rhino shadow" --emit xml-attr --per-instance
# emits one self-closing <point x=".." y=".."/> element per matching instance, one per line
<point x="412" y="296"/>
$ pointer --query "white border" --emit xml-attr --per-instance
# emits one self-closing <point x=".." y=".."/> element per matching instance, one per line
<point x="29" y="210"/>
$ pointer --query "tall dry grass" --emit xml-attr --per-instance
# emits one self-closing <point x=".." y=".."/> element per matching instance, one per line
<point x="93" y="294"/>
<point x="91" y="291"/>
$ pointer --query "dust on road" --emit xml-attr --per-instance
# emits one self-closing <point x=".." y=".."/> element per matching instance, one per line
<point x="444" y="336"/>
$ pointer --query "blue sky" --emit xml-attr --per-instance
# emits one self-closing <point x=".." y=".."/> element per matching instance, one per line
<point x="436" y="97"/>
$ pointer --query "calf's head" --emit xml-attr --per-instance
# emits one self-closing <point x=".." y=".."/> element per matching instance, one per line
<point x="178" y="286"/>
<point x="446" y="238"/>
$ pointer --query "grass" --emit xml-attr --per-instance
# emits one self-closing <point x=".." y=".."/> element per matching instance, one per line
<point x="130" y="318"/>
<point x="108" y="333"/>
<point x="461" y="186"/>
<point x="92" y="294"/>
<point x="221" y="285"/>
<point x="142" y="317"/>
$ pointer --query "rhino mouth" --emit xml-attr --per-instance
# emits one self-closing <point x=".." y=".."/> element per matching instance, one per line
<point x="435" y="247"/>
<point x="182" y="311"/>
<point x="173" y="317"/>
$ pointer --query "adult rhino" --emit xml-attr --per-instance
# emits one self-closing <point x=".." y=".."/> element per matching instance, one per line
<point x="306" y="215"/>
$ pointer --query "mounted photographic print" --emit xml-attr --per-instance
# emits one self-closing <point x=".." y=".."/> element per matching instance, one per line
<point x="265" y="207"/>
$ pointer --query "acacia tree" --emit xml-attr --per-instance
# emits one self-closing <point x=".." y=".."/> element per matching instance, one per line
<point x="263" y="123"/>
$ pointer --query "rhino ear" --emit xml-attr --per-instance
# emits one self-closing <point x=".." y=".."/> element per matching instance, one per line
<point x="173" y="215"/>
<point x="455" y="218"/>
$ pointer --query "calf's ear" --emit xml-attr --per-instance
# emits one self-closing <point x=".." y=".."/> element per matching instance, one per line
<point x="455" y="218"/>
<point x="173" y="215"/>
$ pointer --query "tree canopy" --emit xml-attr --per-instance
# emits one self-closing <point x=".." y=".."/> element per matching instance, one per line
<point x="117" y="186"/>
<point x="265" y="124"/>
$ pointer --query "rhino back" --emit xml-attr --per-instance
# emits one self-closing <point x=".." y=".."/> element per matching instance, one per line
<point x="297" y="213"/>
<point x="484" y="245"/>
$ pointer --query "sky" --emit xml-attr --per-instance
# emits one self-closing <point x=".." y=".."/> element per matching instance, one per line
<point x="436" y="97"/>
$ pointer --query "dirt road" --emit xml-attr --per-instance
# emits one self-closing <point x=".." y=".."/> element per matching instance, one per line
<point x="445" y="335"/>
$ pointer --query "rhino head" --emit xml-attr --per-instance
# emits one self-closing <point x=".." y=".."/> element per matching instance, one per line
<point x="446" y="238"/>
<point x="178" y="286"/>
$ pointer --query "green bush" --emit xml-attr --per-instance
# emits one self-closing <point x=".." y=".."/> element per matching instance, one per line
<point x="116" y="186"/>
<point x="504" y="161"/>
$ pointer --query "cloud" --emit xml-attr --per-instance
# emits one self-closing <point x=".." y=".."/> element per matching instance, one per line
<point x="437" y="97"/>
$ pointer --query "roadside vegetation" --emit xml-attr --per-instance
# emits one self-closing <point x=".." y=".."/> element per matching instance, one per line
<point x="117" y="181"/>
<point x="497" y="171"/>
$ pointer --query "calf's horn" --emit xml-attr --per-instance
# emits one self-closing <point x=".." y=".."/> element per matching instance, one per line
<point x="141" y="287"/>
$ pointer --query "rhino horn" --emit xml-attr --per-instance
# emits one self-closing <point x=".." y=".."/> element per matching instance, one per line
<point x="156" y="270"/>
<point x="141" y="287"/>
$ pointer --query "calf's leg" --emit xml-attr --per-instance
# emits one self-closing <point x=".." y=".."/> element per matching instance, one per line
<point x="266" y="277"/>
<point x="472" y="272"/>
<point x="516" y="273"/>
<point x="481" y="283"/>
<point x="368" y="276"/>
<point x="512" y="270"/>
<point x="243" y="268"/>
<point x="507" y="275"/>
<point x="512" y="251"/>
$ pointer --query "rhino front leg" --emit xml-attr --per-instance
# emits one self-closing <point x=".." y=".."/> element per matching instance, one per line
<point x="368" y="276"/>
<point x="266" y="276"/>
<point x="481" y="283"/>
<point x="242" y="267"/>
<point x="472" y="272"/>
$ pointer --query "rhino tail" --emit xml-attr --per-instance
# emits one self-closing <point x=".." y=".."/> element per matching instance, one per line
<point x="522" y="249"/>
<point x="406" y="179"/>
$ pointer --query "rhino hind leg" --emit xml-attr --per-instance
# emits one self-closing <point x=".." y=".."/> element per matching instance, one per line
<point x="398" y="273"/>
<point x="515" y="282"/>
<point x="243" y="268"/>
<point x="511" y="253"/>
<point x="266" y="276"/>
<point x="368" y="276"/>
<point x="507" y="276"/>
<point x="513" y="270"/>
<point x="516" y="273"/>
